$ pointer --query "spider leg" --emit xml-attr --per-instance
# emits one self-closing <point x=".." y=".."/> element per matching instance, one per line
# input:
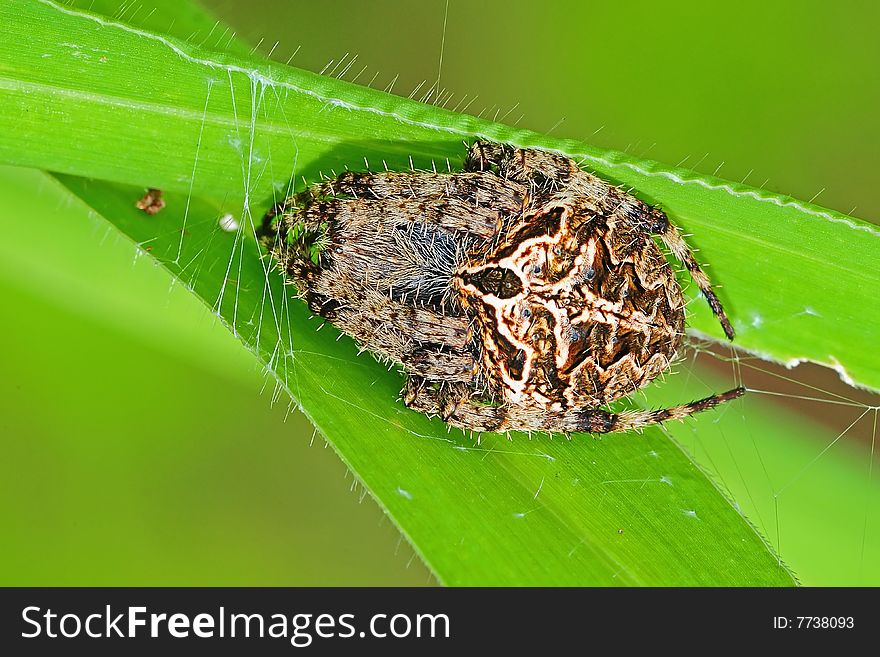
<point x="534" y="167"/>
<point x="443" y="397"/>
<point x="659" y="224"/>
<point x="460" y="202"/>
<point x="427" y="343"/>
<point x="489" y="418"/>
<point x="638" y="419"/>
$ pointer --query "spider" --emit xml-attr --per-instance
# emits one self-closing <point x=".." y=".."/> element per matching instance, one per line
<point x="520" y="294"/>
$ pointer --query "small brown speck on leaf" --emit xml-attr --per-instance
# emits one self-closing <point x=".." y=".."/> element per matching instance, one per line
<point x="151" y="202"/>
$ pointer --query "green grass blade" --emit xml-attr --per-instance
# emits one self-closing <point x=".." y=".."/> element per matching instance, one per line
<point x="805" y="484"/>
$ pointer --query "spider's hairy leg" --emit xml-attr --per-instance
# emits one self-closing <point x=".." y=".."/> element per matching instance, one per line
<point x="443" y="397"/>
<point x="465" y="203"/>
<point x="488" y="418"/>
<point x="428" y="344"/>
<point x="524" y="165"/>
<point x="610" y="422"/>
<point x="658" y="223"/>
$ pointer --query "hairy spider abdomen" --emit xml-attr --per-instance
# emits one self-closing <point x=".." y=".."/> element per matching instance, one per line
<point x="572" y="322"/>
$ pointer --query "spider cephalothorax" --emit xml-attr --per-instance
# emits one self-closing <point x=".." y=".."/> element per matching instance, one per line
<point x="521" y="294"/>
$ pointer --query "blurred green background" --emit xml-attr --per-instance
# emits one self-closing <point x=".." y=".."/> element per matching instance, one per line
<point x="220" y="487"/>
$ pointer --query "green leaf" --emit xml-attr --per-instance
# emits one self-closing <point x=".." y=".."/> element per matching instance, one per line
<point x="627" y="509"/>
<point x="806" y="489"/>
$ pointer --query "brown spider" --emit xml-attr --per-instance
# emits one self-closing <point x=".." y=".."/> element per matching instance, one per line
<point x="521" y="294"/>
